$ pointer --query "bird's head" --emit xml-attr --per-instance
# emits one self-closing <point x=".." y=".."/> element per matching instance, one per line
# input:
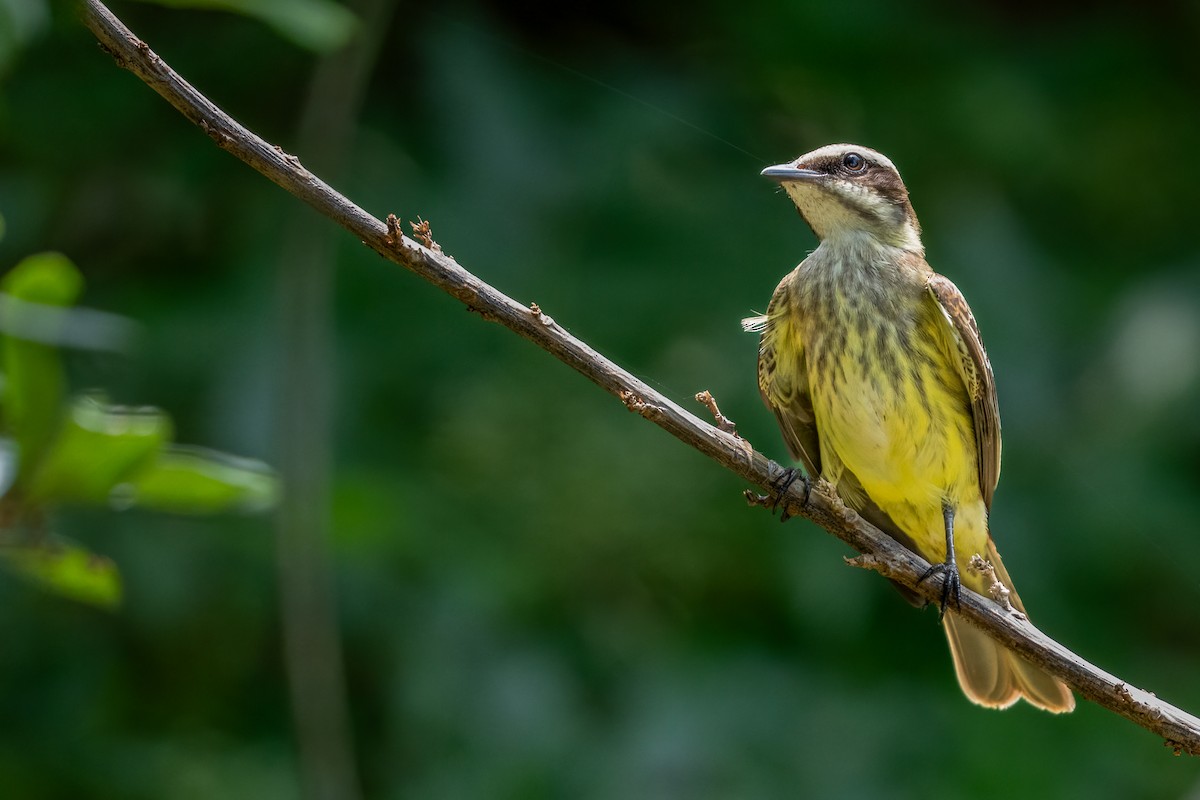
<point x="845" y="189"/>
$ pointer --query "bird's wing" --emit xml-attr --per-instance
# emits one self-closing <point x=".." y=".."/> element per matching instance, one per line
<point x="966" y="347"/>
<point x="783" y="379"/>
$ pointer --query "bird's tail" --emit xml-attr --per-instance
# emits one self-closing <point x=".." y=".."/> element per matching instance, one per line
<point x="993" y="676"/>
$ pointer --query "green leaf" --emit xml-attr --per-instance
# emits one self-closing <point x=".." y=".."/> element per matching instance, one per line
<point x="122" y="457"/>
<point x="99" y="447"/>
<point x="318" y="25"/>
<point x="34" y="379"/>
<point x="188" y="480"/>
<point x="69" y="570"/>
<point x="47" y="278"/>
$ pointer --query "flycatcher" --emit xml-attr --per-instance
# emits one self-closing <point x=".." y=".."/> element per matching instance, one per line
<point x="875" y="369"/>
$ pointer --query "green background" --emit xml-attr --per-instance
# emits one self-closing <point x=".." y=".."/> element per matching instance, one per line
<point x="540" y="594"/>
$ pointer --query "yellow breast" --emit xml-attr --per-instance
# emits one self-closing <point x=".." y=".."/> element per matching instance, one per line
<point x="891" y="409"/>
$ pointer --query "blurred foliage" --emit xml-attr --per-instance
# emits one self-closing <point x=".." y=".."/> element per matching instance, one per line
<point x="85" y="451"/>
<point x="20" y="22"/>
<point x="540" y="594"/>
<point x="318" y="25"/>
<point x="69" y="570"/>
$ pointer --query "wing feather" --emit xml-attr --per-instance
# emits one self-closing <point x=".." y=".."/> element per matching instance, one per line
<point x="976" y="372"/>
<point x="783" y="378"/>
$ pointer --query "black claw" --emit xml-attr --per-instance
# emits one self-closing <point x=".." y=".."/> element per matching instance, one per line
<point x="951" y="585"/>
<point x="781" y="486"/>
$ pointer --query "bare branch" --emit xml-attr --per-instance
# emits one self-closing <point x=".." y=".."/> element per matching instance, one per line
<point x="723" y="422"/>
<point x="1180" y="730"/>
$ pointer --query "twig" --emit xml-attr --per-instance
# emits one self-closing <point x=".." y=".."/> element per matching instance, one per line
<point x="996" y="588"/>
<point x="710" y="402"/>
<point x="424" y="234"/>
<point x="1180" y="729"/>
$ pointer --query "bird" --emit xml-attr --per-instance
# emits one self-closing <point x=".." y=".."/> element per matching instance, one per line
<point x="875" y="369"/>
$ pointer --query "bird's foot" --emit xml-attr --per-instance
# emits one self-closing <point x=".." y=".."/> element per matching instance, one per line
<point x="781" y="485"/>
<point x="951" y="585"/>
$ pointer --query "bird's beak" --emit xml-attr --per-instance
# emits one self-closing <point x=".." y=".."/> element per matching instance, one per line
<point x="789" y="172"/>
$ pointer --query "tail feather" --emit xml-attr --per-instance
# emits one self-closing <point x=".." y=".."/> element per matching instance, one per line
<point x="993" y="676"/>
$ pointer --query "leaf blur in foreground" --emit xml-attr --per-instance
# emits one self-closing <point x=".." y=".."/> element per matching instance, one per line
<point x="40" y="285"/>
<point x="84" y="450"/>
<point x="69" y="570"/>
<point x="188" y="480"/>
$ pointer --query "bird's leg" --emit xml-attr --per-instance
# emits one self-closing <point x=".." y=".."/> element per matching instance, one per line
<point x="948" y="569"/>
<point x="784" y="482"/>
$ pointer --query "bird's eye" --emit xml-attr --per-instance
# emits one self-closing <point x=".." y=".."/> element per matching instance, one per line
<point x="854" y="162"/>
